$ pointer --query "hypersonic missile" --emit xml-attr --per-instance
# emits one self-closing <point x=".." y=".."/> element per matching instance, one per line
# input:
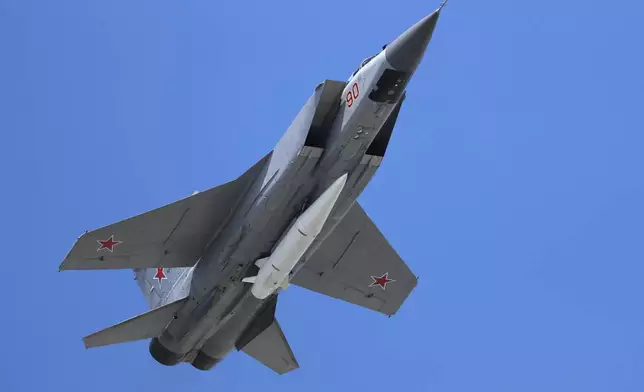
<point x="274" y="270"/>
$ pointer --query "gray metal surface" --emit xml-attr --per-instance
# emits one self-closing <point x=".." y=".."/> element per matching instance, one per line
<point x="171" y="236"/>
<point x="198" y="250"/>
<point x="163" y="286"/>
<point x="407" y="50"/>
<point x="271" y="348"/>
<point x="144" y="326"/>
<point x="350" y="259"/>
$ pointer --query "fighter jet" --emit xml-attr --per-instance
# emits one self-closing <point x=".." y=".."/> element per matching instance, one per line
<point x="213" y="265"/>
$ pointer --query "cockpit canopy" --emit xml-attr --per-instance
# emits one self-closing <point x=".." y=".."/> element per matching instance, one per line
<point x="362" y="64"/>
<point x="365" y="61"/>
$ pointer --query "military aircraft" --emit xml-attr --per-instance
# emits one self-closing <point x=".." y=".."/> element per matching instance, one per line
<point x="212" y="265"/>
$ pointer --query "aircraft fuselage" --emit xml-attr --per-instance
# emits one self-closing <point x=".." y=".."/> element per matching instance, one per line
<point x="220" y="306"/>
<point x="227" y="253"/>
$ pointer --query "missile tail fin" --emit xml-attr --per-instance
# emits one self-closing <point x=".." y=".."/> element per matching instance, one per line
<point x="250" y="279"/>
<point x="260" y="262"/>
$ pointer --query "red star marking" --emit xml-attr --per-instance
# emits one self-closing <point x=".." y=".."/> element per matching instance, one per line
<point x="381" y="281"/>
<point x="108" y="244"/>
<point x="160" y="275"/>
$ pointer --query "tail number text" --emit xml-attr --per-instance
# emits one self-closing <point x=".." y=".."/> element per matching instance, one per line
<point x="352" y="94"/>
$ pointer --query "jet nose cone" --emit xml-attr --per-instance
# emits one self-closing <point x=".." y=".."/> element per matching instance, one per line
<point x="407" y="50"/>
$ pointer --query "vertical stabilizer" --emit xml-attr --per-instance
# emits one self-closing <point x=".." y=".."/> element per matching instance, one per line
<point x="163" y="285"/>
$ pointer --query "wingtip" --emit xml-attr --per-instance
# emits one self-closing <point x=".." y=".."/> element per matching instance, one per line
<point x="443" y="4"/>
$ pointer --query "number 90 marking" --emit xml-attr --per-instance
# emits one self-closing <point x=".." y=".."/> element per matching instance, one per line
<point x="352" y="94"/>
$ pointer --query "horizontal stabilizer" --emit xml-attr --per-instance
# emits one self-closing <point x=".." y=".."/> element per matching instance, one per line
<point x="271" y="348"/>
<point x="144" y="326"/>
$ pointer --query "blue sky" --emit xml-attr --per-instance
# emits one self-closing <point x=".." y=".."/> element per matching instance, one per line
<point x="512" y="185"/>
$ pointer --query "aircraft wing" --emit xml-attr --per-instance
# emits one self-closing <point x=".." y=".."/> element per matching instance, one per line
<point x="355" y="263"/>
<point x="171" y="236"/>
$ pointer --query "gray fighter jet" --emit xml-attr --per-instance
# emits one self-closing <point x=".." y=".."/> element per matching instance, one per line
<point x="212" y="266"/>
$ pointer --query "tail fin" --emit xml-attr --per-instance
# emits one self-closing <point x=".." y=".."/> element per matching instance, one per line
<point x="144" y="326"/>
<point x="163" y="285"/>
<point x="264" y="340"/>
<point x="271" y="348"/>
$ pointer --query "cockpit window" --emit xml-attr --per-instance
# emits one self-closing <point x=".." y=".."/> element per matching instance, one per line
<point x="362" y="64"/>
<point x="365" y="61"/>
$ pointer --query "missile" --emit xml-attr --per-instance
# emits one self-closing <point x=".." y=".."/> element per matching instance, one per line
<point x="274" y="270"/>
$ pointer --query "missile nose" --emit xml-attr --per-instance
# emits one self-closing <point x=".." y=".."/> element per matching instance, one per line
<point x="407" y="50"/>
<point x="312" y="220"/>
